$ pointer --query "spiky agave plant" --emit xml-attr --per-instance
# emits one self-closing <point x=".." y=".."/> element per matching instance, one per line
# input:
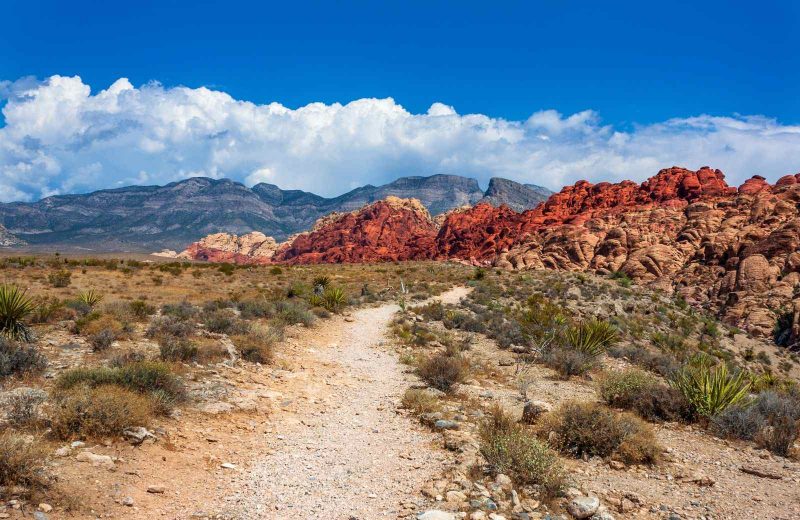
<point x="334" y="298"/>
<point x="592" y="337"/>
<point x="90" y="297"/>
<point x="15" y="306"/>
<point x="711" y="389"/>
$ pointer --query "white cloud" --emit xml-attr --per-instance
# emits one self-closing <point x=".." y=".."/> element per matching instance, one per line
<point x="59" y="137"/>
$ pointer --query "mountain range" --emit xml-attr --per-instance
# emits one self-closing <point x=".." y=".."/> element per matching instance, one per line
<point x="144" y="218"/>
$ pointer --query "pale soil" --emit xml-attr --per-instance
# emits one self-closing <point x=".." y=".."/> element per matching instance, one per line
<point x="317" y="436"/>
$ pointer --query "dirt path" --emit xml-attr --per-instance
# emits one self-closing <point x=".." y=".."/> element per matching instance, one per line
<point x="346" y="453"/>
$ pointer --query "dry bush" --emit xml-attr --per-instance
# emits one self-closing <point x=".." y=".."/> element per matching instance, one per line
<point x="510" y="449"/>
<point x="18" y="359"/>
<point x="258" y="345"/>
<point x="420" y="400"/>
<point x="172" y="325"/>
<point x="21" y="461"/>
<point x="640" y="392"/>
<point x="99" y="411"/>
<point x="771" y="420"/>
<point x="591" y="429"/>
<point x="568" y="362"/>
<point x="178" y="349"/>
<point x="443" y="372"/>
<point x="23" y="405"/>
<point x="102" y="323"/>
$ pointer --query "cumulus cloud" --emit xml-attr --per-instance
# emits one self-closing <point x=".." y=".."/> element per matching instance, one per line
<point x="59" y="137"/>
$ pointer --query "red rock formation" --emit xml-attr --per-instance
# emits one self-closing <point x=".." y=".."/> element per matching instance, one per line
<point x="388" y="230"/>
<point x="252" y="248"/>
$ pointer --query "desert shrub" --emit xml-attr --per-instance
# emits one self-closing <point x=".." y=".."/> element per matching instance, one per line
<point x="443" y="372"/>
<point x="276" y="270"/>
<point x="173" y="348"/>
<point x="639" y="392"/>
<point x="591" y="429"/>
<point x="169" y="325"/>
<point x="257" y="345"/>
<point x="60" y="279"/>
<point x="333" y="298"/>
<point x="146" y="377"/>
<point x="22" y="460"/>
<point x="46" y="309"/>
<point x="669" y="342"/>
<point x="126" y="358"/>
<point x="226" y="269"/>
<point x="433" y="311"/>
<point x="224" y="322"/>
<point x="770" y="419"/>
<point x="182" y="311"/>
<point x="658" y="362"/>
<point x="23" y="405"/>
<point x="293" y="312"/>
<point x="15" y="306"/>
<point x="710" y="389"/>
<point x="622" y="278"/>
<point x="320" y="283"/>
<point x="592" y="337"/>
<point x="259" y="308"/>
<point x="568" y="362"/>
<point x="541" y="318"/>
<point x="90" y="297"/>
<point x="140" y="309"/>
<point x="18" y="359"/>
<point x="510" y="449"/>
<point x="102" y="340"/>
<point x="479" y="273"/>
<point x="420" y="400"/>
<point x="98" y="411"/>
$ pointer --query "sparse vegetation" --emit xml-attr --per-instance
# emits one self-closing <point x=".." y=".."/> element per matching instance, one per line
<point x="510" y="449"/>
<point x="710" y="389"/>
<point x="443" y="372"/>
<point x="420" y="400"/>
<point x="22" y="461"/>
<point x="15" y="306"/>
<point x="19" y="359"/>
<point x="590" y="429"/>
<point x="97" y="411"/>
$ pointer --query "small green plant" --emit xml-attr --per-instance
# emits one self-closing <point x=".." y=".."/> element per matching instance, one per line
<point x="622" y="278"/>
<point x="479" y="274"/>
<point x="15" y="306"/>
<point x="320" y="283"/>
<point x="90" y="298"/>
<point x="333" y="298"/>
<point x="592" y="337"/>
<point x="710" y="389"/>
<point x="275" y="270"/>
<point x="60" y="279"/>
<point x="226" y="269"/>
<point x="509" y="449"/>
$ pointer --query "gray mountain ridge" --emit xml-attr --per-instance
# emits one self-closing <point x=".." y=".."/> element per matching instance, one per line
<point x="147" y="218"/>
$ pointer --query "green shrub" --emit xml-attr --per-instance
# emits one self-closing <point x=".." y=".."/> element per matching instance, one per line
<point x="591" y="429"/>
<point x="140" y="309"/>
<point x="60" y="279"/>
<point x="46" y="309"/>
<point x="508" y="448"/>
<point x="592" y="337"/>
<point x="333" y="298"/>
<point x="90" y="298"/>
<point x="182" y="311"/>
<point x="15" y="306"/>
<point x="226" y="269"/>
<point x="710" y="390"/>
<point x="224" y="322"/>
<point x="293" y="312"/>
<point x="275" y="269"/>
<point x="771" y="419"/>
<point x="258" y="345"/>
<point x="567" y="361"/>
<point x="639" y="392"/>
<point x="146" y="377"/>
<point x="320" y="283"/>
<point x="98" y="411"/>
<point x="102" y="340"/>
<point x="170" y="325"/>
<point x="173" y="348"/>
<point x="443" y="372"/>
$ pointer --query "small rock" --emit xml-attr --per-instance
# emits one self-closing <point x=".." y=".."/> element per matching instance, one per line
<point x="455" y="496"/>
<point x="533" y="409"/>
<point x="137" y="435"/>
<point x="477" y="515"/>
<point x="583" y="507"/>
<point x="435" y="514"/>
<point x="77" y="444"/>
<point x="157" y="489"/>
<point x="615" y="464"/>
<point x="503" y="481"/>
<point x="127" y="502"/>
<point x="227" y="465"/>
<point x="444" y="424"/>
<point x="103" y="461"/>
<point x="45" y="507"/>
<point x="39" y="515"/>
<point x="63" y="451"/>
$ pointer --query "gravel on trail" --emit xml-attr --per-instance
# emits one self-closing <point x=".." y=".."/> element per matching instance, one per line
<point x="358" y="458"/>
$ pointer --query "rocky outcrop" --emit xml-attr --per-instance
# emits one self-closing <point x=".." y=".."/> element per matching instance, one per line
<point x="516" y="196"/>
<point x="388" y="230"/>
<point x="252" y="248"/>
<point x="9" y="240"/>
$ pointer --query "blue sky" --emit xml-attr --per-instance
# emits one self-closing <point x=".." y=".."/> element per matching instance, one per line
<point x="632" y="64"/>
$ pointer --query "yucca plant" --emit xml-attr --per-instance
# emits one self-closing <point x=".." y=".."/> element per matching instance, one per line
<point x="320" y="283"/>
<point x="333" y="298"/>
<point x="711" y="389"/>
<point x="15" y="306"/>
<point x="90" y="297"/>
<point x="592" y="337"/>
